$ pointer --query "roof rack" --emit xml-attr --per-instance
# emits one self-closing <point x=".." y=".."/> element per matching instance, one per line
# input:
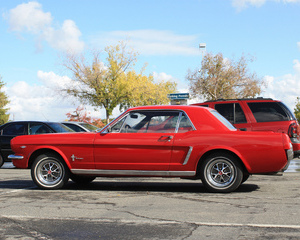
<point x="239" y="99"/>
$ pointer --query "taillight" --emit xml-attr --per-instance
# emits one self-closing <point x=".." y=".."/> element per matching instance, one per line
<point x="293" y="130"/>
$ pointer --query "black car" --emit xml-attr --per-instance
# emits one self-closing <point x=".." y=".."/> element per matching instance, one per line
<point x="12" y="129"/>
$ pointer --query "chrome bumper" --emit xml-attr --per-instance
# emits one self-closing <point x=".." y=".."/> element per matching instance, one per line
<point x="290" y="156"/>
<point x="15" y="157"/>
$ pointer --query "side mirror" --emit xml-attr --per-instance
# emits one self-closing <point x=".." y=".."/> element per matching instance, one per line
<point x="106" y="131"/>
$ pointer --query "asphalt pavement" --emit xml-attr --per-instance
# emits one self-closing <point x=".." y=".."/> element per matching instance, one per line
<point x="264" y="207"/>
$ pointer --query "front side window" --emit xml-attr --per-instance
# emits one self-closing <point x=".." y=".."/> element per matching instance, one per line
<point x="268" y="111"/>
<point x="232" y="112"/>
<point x="147" y="122"/>
<point x="38" y="128"/>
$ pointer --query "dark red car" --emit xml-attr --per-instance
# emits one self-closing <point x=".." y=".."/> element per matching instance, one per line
<point x="259" y="114"/>
<point x="155" y="141"/>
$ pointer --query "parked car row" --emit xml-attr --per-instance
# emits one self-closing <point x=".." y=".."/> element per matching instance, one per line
<point x="195" y="142"/>
<point x="12" y="129"/>
<point x="155" y="141"/>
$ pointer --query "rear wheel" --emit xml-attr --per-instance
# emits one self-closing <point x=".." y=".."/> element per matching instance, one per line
<point x="49" y="171"/>
<point x="221" y="172"/>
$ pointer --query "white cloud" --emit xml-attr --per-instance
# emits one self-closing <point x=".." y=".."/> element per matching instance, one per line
<point x="162" y="77"/>
<point x="151" y="42"/>
<point x="285" y="88"/>
<point x="40" y="102"/>
<point x="30" y="17"/>
<point x="242" y="4"/>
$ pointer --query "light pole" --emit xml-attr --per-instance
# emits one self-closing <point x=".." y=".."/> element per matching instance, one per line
<point x="202" y="47"/>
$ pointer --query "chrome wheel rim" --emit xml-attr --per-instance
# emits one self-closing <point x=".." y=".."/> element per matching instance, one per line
<point x="49" y="172"/>
<point x="220" y="172"/>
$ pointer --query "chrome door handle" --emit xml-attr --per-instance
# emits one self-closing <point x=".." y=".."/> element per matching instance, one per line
<point x="166" y="137"/>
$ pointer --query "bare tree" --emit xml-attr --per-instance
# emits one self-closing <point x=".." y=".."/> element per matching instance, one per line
<point x="223" y="78"/>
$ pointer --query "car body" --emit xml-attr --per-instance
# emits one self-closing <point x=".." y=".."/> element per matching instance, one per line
<point x="81" y="126"/>
<point x="155" y="141"/>
<point x="259" y="114"/>
<point x="12" y="129"/>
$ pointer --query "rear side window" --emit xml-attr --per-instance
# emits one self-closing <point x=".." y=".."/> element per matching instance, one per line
<point x="269" y="111"/>
<point x="232" y="112"/>
<point x="14" y="129"/>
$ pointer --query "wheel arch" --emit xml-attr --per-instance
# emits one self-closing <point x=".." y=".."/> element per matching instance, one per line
<point x="40" y="151"/>
<point x="220" y="151"/>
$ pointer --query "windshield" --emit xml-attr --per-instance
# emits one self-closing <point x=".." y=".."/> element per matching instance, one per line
<point x="223" y="120"/>
<point x="60" y="127"/>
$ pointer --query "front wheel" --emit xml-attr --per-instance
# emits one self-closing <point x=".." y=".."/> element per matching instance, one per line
<point x="49" y="171"/>
<point x="221" y="172"/>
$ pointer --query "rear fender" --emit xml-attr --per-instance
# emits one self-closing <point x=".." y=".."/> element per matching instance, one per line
<point x="227" y="149"/>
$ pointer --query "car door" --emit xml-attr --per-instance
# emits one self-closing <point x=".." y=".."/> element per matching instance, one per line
<point x="9" y="132"/>
<point x="141" y="140"/>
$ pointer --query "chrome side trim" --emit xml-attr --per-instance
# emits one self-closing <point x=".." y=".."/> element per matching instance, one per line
<point x="188" y="156"/>
<point x="99" y="172"/>
<point x="15" y="157"/>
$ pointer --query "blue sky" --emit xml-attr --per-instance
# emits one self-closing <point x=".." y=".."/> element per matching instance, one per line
<point x="166" y="33"/>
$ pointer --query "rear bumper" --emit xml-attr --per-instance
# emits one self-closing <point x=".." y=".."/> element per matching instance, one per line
<point x="296" y="146"/>
<point x="290" y="156"/>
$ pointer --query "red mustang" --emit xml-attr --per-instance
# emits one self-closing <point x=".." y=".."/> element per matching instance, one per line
<point x="155" y="141"/>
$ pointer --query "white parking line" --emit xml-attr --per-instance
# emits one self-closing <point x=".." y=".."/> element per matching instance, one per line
<point x="153" y="221"/>
<point x="248" y="225"/>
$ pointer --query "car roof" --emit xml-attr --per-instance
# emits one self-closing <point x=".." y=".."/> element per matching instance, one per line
<point x="259" y="99"/>
<point x="164" y="107"/>
<point x="46" y="122"/>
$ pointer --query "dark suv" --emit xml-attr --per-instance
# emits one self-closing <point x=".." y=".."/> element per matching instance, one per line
<point x="259" y="114"/>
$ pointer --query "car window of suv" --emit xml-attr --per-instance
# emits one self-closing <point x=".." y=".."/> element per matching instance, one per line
<point x="268" y="111"/>
<point x="232" y="112"/>
<point x="14" y="129"/>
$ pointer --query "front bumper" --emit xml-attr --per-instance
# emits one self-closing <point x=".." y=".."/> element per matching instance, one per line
<point x="15" y="157"/>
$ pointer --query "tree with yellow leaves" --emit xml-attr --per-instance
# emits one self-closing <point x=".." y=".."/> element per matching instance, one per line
<point x="4" y="116"/>
<point x="114" y="83"/>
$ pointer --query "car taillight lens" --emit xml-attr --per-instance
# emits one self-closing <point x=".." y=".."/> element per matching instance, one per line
<point x="293" y="130"/>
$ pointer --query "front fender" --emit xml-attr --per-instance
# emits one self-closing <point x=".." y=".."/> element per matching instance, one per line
<point x="42" y="149"/>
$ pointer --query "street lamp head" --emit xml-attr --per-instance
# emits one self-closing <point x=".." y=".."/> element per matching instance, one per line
<point x="202" y="45"/>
